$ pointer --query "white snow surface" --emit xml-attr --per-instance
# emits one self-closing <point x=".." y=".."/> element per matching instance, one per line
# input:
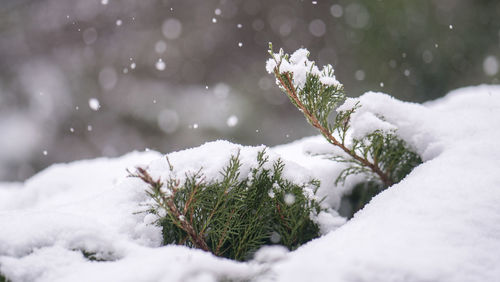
<point x="440" y="223"/>
<point x="363" y="121"/>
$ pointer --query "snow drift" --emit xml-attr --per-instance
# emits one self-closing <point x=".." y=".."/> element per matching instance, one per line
<point x="440" y="223"/>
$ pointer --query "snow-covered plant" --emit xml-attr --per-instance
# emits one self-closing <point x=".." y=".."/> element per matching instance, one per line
<point x="379" y="154"/>
<point x="234" y="216"/>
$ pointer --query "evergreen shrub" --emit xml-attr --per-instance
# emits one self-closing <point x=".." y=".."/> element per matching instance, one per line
<point x="381" y="155"/>
<point x="235" y="216"/>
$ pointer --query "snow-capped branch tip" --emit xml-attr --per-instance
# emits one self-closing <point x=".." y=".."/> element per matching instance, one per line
<point x="300" y="67"/>
<point x="316" y="94"/>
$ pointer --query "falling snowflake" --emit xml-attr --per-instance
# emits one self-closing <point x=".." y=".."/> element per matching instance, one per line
<point x="94" y="104"/>
<point x="160" y="65"/>
<point x="232" y="121"/>
<point x="289" y="199"/>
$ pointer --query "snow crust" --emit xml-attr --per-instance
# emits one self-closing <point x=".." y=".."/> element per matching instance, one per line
<point x="440" y="223"/>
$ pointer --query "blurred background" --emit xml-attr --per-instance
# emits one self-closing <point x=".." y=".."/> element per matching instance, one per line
<point x="89" y="78"/>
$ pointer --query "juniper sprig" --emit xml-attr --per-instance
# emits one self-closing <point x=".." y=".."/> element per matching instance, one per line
<point x="234" y="216"/>
<point x="317" y="93"/>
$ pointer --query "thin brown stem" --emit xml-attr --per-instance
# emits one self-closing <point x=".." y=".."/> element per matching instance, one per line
<point x="281" y="216"/>
<point x="196" y="239"/>
<point x="180" y="218"/>
<point x="291" y="92"/>
<point x="191" y="196"/>
<point x="215" y="209"/>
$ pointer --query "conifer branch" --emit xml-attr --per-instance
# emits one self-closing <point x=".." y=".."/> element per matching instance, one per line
<point x="316" y="93"/>
<point x="168" y="203"/>
<point x="313" y="120"/>
<point x="223" y="237"/>
<point x="233" y="217"/>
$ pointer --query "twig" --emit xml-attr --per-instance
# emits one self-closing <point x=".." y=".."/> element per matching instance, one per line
<point x="181" y="221"/>
<point x="291" y="92"/>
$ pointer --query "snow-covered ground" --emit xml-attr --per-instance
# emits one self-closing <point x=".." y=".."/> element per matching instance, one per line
<point x="441" y="223"/>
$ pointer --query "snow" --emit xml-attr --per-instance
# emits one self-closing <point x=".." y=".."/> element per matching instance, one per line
<point x="172" y="263"/>
<point x="94" y="104"/>
<point x="91" y="205"/>
<point x="410" y="119"/>
<point x="490" y="65"/>
<point x="270" y="65"/>
<point x="160" y="65"/>
<point x="328" y="80"/>
<point x="212" y="157"/>
<point x="300" y="67"/>
<point x="440" y="223"/>
<point x="299" y="56"/>
<point x="364" y="122"/>
<point x="232" y="121"/>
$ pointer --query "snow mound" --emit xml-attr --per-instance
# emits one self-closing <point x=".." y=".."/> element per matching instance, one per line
<point x="212" y="157"/>
<point x="440" y="223"/>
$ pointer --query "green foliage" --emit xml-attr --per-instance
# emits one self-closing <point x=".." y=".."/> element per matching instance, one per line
<point x="315" y="99"/>
<point x="3" y="278"/>
<point x="389" y="153"/>
<point x="392" y="156"/>
<point x="382" y="156"/>
<point x="234" y="216"/>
